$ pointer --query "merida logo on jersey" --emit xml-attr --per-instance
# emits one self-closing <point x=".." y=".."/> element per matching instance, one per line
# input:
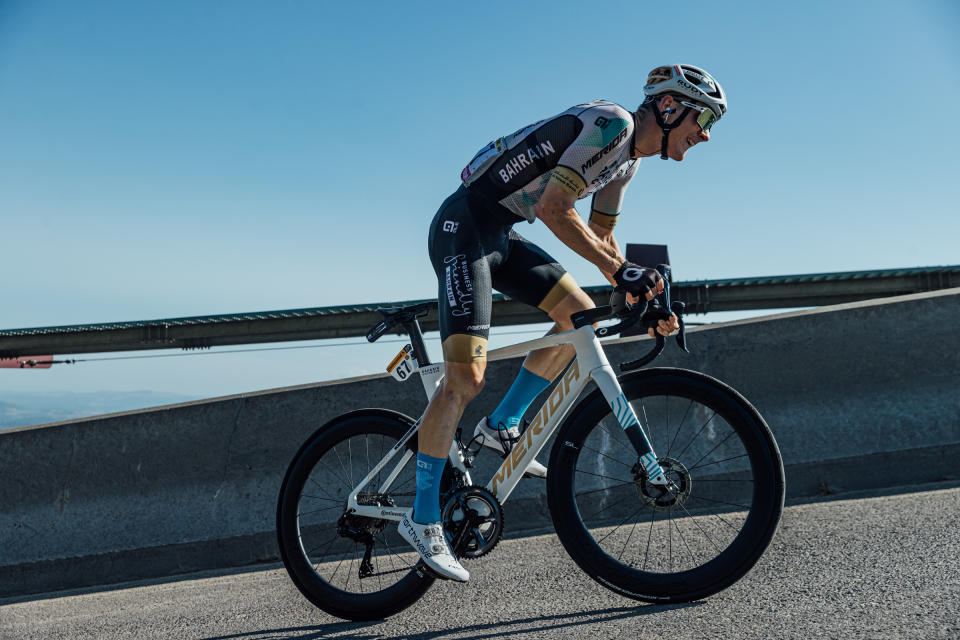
<point x="595" y="158"/>
<point x="525" y="159"/>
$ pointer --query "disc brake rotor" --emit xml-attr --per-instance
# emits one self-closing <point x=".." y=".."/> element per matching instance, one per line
<point x="660" y="497"/>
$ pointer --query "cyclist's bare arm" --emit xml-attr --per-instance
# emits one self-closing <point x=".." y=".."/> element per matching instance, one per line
<point x="604" y="212"/>
<point x="555" y="209"/>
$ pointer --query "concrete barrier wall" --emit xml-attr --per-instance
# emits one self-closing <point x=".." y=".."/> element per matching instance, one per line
<point x="858" y="395"/>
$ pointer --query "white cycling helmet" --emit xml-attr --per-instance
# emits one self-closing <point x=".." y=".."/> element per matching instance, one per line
<point x="692" y="82"/>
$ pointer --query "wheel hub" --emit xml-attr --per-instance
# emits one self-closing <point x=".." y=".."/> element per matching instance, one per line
<point x="664" y="497"/>
<point x="361" y="528"/>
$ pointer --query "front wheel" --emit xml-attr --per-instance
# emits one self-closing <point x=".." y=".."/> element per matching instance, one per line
<point x="693" y="540"/>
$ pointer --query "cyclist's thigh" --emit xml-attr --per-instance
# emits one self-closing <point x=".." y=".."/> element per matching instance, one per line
<point x="463" y="275"/>
<point x="530" y="275"/>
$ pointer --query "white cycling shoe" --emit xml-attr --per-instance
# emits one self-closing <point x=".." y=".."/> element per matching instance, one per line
<point x="502" y="441"/>
<point x="432" y="546"/>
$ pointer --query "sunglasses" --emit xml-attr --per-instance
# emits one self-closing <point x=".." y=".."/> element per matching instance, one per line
<point x="707" y="117"/>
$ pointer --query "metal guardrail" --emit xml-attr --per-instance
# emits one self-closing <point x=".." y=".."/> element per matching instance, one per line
<point x="701" y="296"/>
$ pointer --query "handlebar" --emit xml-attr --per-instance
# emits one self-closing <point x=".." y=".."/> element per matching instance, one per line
<point x="647" y="312"/>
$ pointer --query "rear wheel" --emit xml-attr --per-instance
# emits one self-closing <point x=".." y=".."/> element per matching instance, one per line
<point x="681" y="544"/>
<point x="353" y="567"/>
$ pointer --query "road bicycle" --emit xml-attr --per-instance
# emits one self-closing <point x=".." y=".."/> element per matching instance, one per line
<point x="664" y="485"/>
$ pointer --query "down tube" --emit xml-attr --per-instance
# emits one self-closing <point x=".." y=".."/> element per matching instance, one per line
<point x="551" y="414"/>
<point x="627" y="418"/>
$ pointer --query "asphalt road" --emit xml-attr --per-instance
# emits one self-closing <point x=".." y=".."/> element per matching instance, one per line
<point x="879" y="565"/>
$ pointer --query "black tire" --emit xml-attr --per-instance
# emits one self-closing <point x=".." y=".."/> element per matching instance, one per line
<point x="311" y="511"/>
<point x="664" y="548"/>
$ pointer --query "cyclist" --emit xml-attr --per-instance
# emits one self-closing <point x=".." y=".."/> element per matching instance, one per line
<point x="535" y="173"/>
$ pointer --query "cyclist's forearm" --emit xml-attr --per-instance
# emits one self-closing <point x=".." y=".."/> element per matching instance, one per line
<point x="570" y="228"/>
<point x="610" y="240"/>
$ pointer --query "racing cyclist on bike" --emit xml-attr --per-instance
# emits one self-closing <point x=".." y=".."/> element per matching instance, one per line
<point x="535" y="173"/>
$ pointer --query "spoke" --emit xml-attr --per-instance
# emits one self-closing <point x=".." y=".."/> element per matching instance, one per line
<point x="349" y="565"/>
<point x="743" y="455"/>
<point x="709" y="420"/>
<point x="614" y="437"/>
<point x="350" y="459"/>
<point x="359" y="566"/>
<point x="334" y="574"/>
<point x="321" y="487"/>
<point x="666" y="419"/>
<point x="336" y="506"/>
<point x="684" y="419"/>
<point x="340" y="460"/>
<point x="717" y="516"/>
<point x="626" y="464"/>
<point x="634" y="528"/>
<point x="613" y="486"/>
<point x="646" y="420"/>
<point x="366" y="452"/>
<point x="323" y="545"/>
<point x="750" y="480"/>
<point x="684" y="540"/>
<point x="670" y="540"/>
<point x="611" y="505"/>
<point x="714" y="449"/>
<point x="332" y="471"/>
<point x="729" y="504"/>
<point x="705" y="534"/>
<point x="403" y="563"/>
<point x="646" y="555"/>
<point x="600" y="475"/>
<point x="642" y="507"/>
<point x="403" y="484"/>
<point x="307" y="495"/>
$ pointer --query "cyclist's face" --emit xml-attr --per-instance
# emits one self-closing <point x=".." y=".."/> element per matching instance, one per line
<point x="687" y="134"/>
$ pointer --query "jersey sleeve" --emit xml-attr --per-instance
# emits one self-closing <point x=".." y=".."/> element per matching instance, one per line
<point x="583" y="163"/>
<point x="607" y="202"/>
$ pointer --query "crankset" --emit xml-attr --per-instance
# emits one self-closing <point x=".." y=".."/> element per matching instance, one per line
<point x="473" y="519"/>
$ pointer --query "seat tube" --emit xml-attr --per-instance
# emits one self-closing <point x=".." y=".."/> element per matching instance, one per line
<point x="416" y="341"/>
<point x="607" y="382"/>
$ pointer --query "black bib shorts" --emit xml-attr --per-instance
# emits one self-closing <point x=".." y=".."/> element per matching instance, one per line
<point x="474" y="249"/>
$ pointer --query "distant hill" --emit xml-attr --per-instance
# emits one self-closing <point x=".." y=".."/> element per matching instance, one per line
<point x="27" y="408"/>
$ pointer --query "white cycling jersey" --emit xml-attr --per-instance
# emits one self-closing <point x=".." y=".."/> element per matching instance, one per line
<point x="585" y="148"/>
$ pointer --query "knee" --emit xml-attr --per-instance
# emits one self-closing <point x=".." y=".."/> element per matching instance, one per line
<point x="574" y="302"/>
<point x="463" y="384"/>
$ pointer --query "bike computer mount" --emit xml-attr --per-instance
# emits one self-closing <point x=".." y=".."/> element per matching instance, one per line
<point x="649" y="313"/>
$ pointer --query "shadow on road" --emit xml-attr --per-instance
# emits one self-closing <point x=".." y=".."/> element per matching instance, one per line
<point x="498" y="629"/>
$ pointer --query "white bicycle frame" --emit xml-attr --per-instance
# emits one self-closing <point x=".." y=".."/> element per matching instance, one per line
<point x="590" y="363"/>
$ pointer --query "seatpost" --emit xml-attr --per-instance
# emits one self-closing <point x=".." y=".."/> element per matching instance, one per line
<point x="412" y="327"/>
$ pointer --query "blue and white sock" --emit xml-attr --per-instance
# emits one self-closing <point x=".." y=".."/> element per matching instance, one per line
<point x="426" y="506"/>
<point x="522" y="393"/>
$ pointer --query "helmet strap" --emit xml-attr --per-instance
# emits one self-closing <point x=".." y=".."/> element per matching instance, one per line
<point x="667" y="128"/>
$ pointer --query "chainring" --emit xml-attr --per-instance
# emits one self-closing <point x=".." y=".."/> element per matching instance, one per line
<point x="473" y="518"/>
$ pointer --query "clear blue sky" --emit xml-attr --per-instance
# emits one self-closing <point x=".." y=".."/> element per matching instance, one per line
<point x="186" y="158"/>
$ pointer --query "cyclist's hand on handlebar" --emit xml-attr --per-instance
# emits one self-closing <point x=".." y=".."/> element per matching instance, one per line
<point x="639" y="281"/>
<point x="665" y="327"/>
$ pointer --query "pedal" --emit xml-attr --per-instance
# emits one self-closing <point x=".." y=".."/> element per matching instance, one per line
<point x="422" y="568"/>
